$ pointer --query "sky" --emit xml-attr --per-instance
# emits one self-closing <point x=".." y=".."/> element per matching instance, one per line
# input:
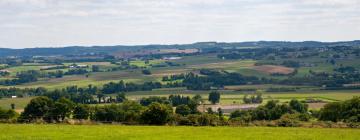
<point x="59" y="23"/>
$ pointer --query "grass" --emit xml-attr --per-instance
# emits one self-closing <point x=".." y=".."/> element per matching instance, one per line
<point x="20" y="103"/>
<point x="228" y="96"/>
<point x="108" y="132"/>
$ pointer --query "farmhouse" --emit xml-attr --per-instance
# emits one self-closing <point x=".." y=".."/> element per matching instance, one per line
<point x="172" y="58"/>
<point x="78" y="66"/>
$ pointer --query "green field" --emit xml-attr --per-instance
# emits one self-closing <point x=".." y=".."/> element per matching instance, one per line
<point x="228" y="97"/>
<point x="106" y="132"/>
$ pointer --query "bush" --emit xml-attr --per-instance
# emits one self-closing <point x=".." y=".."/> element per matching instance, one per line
<point x="146" y="72"/>
<point x="156" y="114"/>
<point x="289" y="120"/>
<point x="183" y="110"/>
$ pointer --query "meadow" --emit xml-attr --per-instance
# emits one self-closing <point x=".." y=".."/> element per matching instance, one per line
<point x="228" y="97"/>
<point x="105" y="132"/>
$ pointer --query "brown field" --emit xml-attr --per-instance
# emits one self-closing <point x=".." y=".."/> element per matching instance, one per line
<point x="270" y="69"/>
<point x="316" y="105"/>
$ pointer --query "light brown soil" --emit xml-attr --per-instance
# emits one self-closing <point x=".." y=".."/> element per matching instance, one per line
<point x="270" y="69"/>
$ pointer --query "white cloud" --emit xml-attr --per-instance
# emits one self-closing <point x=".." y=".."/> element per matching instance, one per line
<point x="98" y="22"/>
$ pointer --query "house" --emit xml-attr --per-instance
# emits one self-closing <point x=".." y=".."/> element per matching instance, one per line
<point x="78" y="66"/>
<point x="172" y="58"/>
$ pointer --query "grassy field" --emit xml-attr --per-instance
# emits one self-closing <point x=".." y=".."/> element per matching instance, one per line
<point x="107" y="132"/>
<point x="228" y="97"/>
<point x="20" y="103"/>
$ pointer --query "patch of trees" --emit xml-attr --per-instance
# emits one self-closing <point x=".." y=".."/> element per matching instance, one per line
<point x="55" y="68"/>
<point x="347" y="69"/>
<point x="347" y="111"/>
<point x="8" y="92"/>
<point x="281" y="89"/>
<point x="272" y="110"/>
<point x="146" y="72"/>
<point x="253" y="99"/>
<point x="290" y="63"/>
<point x="323" y="79"/>
<point x="173" y="77"/>
<point x="77" y="71"/>
<point x="196" y="82"/>
<point x="7" y="115"/>
<point x="121" y="86"/>
<point x="21" y="78"/>
<point x="4" y="73"/>
<point x="214" y="97"/>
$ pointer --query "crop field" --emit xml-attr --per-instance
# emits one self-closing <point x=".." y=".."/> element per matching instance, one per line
<point x="228" y="97"/>
<point x="20" y="103"/>
<point x="105" y="132"/>
<point x="186" y="64"/>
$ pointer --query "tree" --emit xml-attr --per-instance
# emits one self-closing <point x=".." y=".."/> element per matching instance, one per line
<point x="298" y="106"/>
<point x="12" y="106"/>
<point x="183" y="110"/>
<point x="197" y="98"/>
<point x="7" y="114"/>
<point x="100" y="96"/>
<point x="156" y="114"/>
<point x="146" y="72"/>
<point x="61" y="109"/>
<point x="81" y="112"/>
<point x="37" y="109"/>
<point x="95" y="68"/>
<point x="120" y="97"/>
<point x="214" y="97"/>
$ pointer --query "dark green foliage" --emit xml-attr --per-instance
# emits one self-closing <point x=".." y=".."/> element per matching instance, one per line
<point x="196" y="82"/>
<point x="38" y="108"/>
<point x="154" y="99"/>
<point x="298" y="106"/>
<point x="127" y="112"/>
<point x="289" y="120"/>
<point x="253" y="99"/>
<point x="121" y="86"/>
<point x="214" y="97"/>
<point x="183" y="110"/>
<point x="61" y="109"/>
<point x="6" y="115"/>
<point x="95" y="68"/>
<point x="81" y="112"/>
<point x="290" y="63"/>
<point x="120" y="97"/>
<point x="179" y="100"/>
<point x="272" y="110"/>
<point x="77" y="71"/>
<point x="156" y="114"/>
<point x="347" y="69"/>
<point x="146" y="72"/>
<point x="348" y="110"/>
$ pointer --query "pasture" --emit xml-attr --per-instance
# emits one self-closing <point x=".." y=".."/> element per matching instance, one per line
<point x="106" y="132"/>
<point x="228" y="97"/>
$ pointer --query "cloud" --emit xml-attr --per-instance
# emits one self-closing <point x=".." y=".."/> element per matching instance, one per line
<point x="97" y="22"/>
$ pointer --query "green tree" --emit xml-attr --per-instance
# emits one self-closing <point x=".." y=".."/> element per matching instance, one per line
<point x="81" y="112"/>
<point x="37" y="109"/>
<point x="120" y="97"/>
<point x="183" y="110"/>
<point x="61" y="109"/>
<point x="214" y="97"/>
<point x="298" y="106"/>
<point x="156" y="114"/>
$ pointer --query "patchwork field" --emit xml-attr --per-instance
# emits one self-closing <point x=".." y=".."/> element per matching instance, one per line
<point x="228" y="97"/>
<point x="106" y="132"/>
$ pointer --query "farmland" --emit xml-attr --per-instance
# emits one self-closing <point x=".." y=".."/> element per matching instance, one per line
<point x="105" y="132"/>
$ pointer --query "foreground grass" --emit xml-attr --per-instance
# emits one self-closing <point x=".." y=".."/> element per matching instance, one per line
<point x="106" y="132"/>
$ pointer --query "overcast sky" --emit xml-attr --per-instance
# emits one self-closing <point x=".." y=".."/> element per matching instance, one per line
<point x="54" y="23"/>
